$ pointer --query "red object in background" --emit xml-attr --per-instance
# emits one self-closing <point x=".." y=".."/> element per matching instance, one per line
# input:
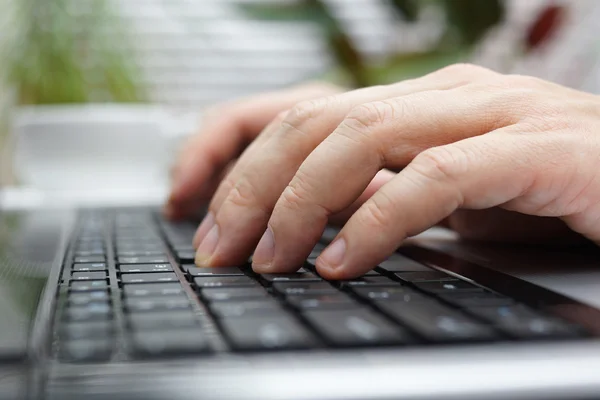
<point x="547" y="24"/>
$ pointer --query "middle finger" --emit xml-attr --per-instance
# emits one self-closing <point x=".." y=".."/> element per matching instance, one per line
<point x="243" y="215"/>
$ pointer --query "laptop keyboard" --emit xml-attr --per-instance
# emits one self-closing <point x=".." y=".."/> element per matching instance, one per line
<point x="129" y="290"/>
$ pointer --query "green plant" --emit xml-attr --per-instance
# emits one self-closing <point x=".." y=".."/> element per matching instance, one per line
<point x="70" y="51"/>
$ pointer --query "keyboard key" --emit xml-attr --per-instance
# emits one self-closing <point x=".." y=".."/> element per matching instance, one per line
<point x="304" y="288"/>
<point x="424" y="276"/>
<point x="370" y="281"/>
<point x="443" y="287"/>
<point x="226" y="309"/>
<point x="156" y="303"/>
<point x="238" y="293"/>
<point x="149" y="278"/>
<point x="144" y="268"/>
<point x="185" y="256"/>
<point x="89" y="267"/>
<point x="143" y="260"/>
<point x="169" y="343"/>
<point x="90" y="312"/>
<point x="88" y="350"/>
<point x="357" y="327"/>
<point x="437" y="322"/>
<point x="84" y="298"/>
<point x="163" y="320"/>
<point x="522" y="322"/>
<point x="86" y="330"/>
<point x="140" y="253"/>
<point x="297" y="276"/>
<point x="90" y="259"/>
<point x="88" y="276"/>
<point x="400" y="263"/>
<point x="224" y="281"/>
<point x="323" y="301"/>
<point x="266" y="333"/>
<point x="150" y="289"/>
<point x="477" y="299"/>
<point x="391" y="293"/>
<point x="83" y="286"/>
<point x="217" y="271"/>
<point x="89" y="253"/>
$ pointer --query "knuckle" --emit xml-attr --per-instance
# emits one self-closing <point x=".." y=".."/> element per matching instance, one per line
<point x="303" y="112"/>
<point x="437" y="163"/>
<point x="368" y="115"/>
<point x="294" y="197"/>
<point x="243" y="194"/>
<point x="374" y="212"/>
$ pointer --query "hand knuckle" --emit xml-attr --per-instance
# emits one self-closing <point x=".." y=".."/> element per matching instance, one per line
<point x="243" y="194"/>
<point x="374" y="212"/>
<point x="294" y="197"/>
<point x="303" y="112"/>
<point x="437" y="163"/>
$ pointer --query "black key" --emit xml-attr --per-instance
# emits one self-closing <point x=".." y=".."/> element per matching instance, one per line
<point x="84" y="298"/>
<point x="89" y="267"/>
<point x="443" y="287"/>
<point x="297" y="276"/>
<point x="158" y="303"/>
<point x="424" y="276"/>
<point x="139" y="248"/>
<point x="226" y="309"/>
<point x="399" y="263"/>
<point x="238" y="293"/>
<point x="185" y="256"/>
<point x="304" y="288"/>
<point x="480" y="299"/>
<point x="329" y="234"/>
<point x="143" y="260"/>
<point x="90" y="350"/>
<point x="370" y="281"/>
<point x="84" y="286"/>
<point x="390" y="293"/>
<point x="224" y="281"/>
<point x="437" y="322"/>
<point x="266" y="333"/>
<point x="90" y="312"/>
<point x="140" y="253"/>
<point x="357" y="327"/>
<point x="218" y="271"/>
<point x="150" y="289"/>
<point x="184" y="246"/>
<point x="90" y="259"/>
<point x="323" y="301"/>
<point x="89" y="253"/>
<point x="163" y="320"/>
<point x="522" y="322"/>
<point x="149" y="278"/>
<point x="88" y="276"/>
<point x="144" y="268"/>
<point x="169" y="343"/>
<point x="86" y="330"/>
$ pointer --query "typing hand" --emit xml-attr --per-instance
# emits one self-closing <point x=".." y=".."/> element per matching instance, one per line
<point x="464" y="138"/>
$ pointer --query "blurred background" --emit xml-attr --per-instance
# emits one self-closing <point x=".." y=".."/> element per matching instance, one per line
<point x="97" y="93"/>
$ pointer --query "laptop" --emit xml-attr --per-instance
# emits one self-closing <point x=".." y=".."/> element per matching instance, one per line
<point x="105" y="303"/>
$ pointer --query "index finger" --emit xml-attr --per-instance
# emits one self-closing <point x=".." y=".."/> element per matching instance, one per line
<point x="228" y="129"/>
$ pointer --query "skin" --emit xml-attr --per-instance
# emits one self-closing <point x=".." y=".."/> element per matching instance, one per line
<point x="495" y="157"/>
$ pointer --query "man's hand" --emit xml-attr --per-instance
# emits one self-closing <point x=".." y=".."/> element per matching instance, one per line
<point x="464" y="138"/>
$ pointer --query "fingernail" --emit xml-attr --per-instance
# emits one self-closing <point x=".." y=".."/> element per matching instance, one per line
<point x="265" y="251"/>
<point x="205" y="226"/>
<point x="207" y="247"/>
<point x="333" y="255"/>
